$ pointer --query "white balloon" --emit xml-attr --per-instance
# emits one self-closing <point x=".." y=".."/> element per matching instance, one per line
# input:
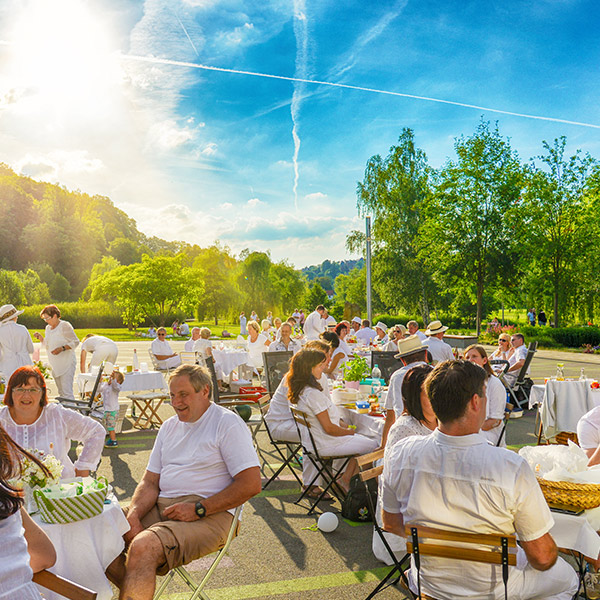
<point x="327" y="522"/>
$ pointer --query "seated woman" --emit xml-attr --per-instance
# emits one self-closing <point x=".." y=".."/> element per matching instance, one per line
<point x="25" y="548"/>
<point x="338" y="357"/>
<point x="33" y="423"/>
<point x="505" y="349"/>
<point x="268" y="330"/>
<point x="203" y="345"/>
<point x="398" y="332"/>
<point x="342" y="329"/>
<point x="257" y="344"/>
<point x="496" y="396"/>
<point x="332" y="436"/>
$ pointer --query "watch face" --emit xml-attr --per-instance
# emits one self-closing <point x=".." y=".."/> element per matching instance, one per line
<point x="200" y="510"/>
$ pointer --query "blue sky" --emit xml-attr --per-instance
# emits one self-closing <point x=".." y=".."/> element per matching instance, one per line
<point x="90" y="98"/>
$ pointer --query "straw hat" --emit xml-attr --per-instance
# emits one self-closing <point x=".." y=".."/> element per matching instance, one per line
<point x="8" y="312"/>
<point x="381" y="325"/>
<point x="357" y="320"/>
<point x="435" y="327"/>
<point x="401" y="328"/>
<point x="410" y="345"/>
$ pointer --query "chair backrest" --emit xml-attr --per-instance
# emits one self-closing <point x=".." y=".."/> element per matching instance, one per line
<point x="210" y="364"/>
<point x="500" y="361"/>
<point x="188" y="358"/>
<point x="366" y="465"/>
<point x="96" y="384"/>
<point x="154" y="361"/>
<point x="386" y="362"/>
<point x="523" y="372"/>
<point x="277" y="364"/>
<point x="63" y="587"/>
<point x="562" y="438"/>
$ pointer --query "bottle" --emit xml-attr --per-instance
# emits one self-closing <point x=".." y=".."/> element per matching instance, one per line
<point x="560" y="372"/>
<point x="375" y="380"/>
<point x="136" y="362"/>
<point x="582" y="374"/>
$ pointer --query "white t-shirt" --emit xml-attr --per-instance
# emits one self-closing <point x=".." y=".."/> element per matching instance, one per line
<point x="365" y="335"/>
<point x="203" y="457"/>
<point x="161" y="348"/>
<point x="15" y="348"/>
<point x="520" y="353"/>
<point x="469" y="486"/>
<point x="62" y="335"/>
<point x="256" y="349"/>
<point x="96" y="341"/>
<point x="394" y="399"/>
<point x="342" y="360"/>
<point x="201" y="346"/>
<point x="421" y="335"/>
<point x="313" y="402"/>
<point x="279" y="408"/>
<point x="588" y="429"/>
<point x="391" y="346"/>
<point x="189" y="345"/>
<point x="110" y="394"/>
<point x="184" y="329"/>
<point x="439" y="349"/>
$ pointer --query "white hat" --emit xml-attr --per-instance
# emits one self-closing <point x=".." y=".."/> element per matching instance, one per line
<point x="357" y="320"/>
<point x="8" y="312"/>
<point x="435" y="327"/>
<point x="381" y="326"/>
<point x="410" y="345"/>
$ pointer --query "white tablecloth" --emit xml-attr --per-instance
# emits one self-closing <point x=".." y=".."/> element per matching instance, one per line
<point x="84" y="549"/>
<point x="365" y="424"/>
<point x="228" y="360"/>
<point x="575" y="533"/>
<point x="134" y="382"/>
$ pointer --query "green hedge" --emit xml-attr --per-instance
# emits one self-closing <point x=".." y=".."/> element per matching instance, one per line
<point x="82" y="315"/>
<point x="569" y="337"/>
<point x="454" y="323"/>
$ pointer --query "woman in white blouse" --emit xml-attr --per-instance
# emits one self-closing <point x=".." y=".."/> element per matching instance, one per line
<point x="34" y="424"/>
<point x="257" y="344"/>
<point x="60" y="343"/>
<point x="331" y="435"/>
<point x="15" y="342"/>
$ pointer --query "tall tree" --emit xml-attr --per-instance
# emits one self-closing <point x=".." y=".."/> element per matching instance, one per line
<point x="467" y="238"/>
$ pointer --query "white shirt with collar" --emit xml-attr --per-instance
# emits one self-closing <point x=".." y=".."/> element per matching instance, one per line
<point x="366" y="335"/>
<point x="278" y="346"/>
<point x="588" y="429"/>
<point x="439" y="349"/>
<point x="314" y="326"/>
<point x="394" y="399"/>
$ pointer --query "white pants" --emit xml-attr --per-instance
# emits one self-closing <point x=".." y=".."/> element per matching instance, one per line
<point x="170" y="363"/>
<point x="108" y="353"/>
<point x="64" y="382"/>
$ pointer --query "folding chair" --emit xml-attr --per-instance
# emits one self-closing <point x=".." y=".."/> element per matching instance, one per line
<point x="148" y="404"/>
<point x="85" y="406"/>
<point x="198" y="588"/>
<point x="520" y="383"/>
<point x="277" y="364"/>
<point x="323" y="464"/>
<point x="502" y="549"/>
<point x="155" y="364"/>
<point x="62" y="586"/>
<point x="292" y="448"/>
<point x="386" y="362"/>
<point x="190" y="358"/>
<point x="368" y="471"/>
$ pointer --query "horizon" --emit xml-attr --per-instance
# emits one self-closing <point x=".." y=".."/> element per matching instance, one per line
<point x="201" y="119"/>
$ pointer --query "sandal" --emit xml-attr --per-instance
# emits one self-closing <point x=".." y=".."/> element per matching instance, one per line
<point x="315" y="492"/>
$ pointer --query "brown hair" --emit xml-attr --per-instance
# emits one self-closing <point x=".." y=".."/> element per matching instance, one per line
<point x="300" y="373"/>
<point x="50" y="310"/>
<point x="340" y="327"/>
<point x="321" y="345"/>
<point x="481" y="351"/>
<point x="20" y="377"/>
<point x="331" y="338"/>
<point x="411" y="390"/>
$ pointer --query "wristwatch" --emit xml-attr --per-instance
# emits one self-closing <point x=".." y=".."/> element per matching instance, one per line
<point x="200" y="510"/>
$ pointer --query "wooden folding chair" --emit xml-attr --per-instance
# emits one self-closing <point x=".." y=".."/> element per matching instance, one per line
<point x="323" y="464"/>
<point x="368" y="471"/>
<point x="148" y="404"/>
<point x="190" y="358"/>
<point x="62" y="586"/>
<point x="198" y="588"/>
<point x="292" y="448"/>
<point x="500" y="549"/>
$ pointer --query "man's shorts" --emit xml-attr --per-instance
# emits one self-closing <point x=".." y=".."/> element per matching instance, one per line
<point x="185" y="541"/>
<point x="110" y="419"/>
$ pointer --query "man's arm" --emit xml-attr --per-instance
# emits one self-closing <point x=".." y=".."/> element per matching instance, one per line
<point x="393" y="522"/>
<point x="144" y="498"/>
<point x="541" y="553"/>
<point x="245" y="485"/>
<point x="517" y="366"/>
<point x="390" y="419"/>
<point x="594" y="455"/>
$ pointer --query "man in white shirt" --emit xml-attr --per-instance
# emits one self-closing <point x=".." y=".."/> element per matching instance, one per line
<point x="167" y="359"/>
<point x="365" y="335"/>
<point x="471" y="487"/>
<point x="411" y="352"/>
<point x="381" y="331"/>
<point x="184" y="329"/>
<point x="440" y="351"/>
<point x="203" y="465"/>
<point x="517" y="358"/>
<point x="413" y="329"/>
<point x="101" y="348"/>
<point x="315" y="323"/>
<point x="189" y="345"/>
<point x="330" y="322"/>
<point x="355" y="324"/>
<point x="285" y="343"/>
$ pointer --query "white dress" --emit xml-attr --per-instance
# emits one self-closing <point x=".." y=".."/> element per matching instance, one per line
<point x="15" y="573"/>
<point x="15" y="348"/>
<point x="53" y="432"/>
<point x="62" y="335"/>
<point x="256" y="349"/>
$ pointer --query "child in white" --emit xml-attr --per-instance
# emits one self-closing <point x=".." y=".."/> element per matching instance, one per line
<point x="110" y="399"/>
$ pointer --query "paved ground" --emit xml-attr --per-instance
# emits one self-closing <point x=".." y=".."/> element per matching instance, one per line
<point x="275" y="556"/>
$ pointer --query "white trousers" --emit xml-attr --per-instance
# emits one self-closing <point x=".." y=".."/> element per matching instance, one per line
<point x="64" y="382"/>
<point x="170" y="363"/>
<point x="107" y="353"/>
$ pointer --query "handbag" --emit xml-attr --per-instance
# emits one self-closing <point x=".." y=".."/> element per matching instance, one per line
<point x="72" y="501"/>
<point x="356" y="506"/>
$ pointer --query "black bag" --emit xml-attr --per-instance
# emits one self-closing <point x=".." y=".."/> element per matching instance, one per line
<point x="355" y="505"/>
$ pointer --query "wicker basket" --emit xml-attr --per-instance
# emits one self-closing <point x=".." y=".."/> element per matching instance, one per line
<point x="566" y="493"/>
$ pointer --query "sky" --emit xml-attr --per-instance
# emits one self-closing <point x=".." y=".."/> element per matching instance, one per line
<point x="201" y="119"/>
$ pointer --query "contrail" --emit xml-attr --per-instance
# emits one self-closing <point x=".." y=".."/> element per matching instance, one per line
<point x="178" y="63"/>
<point x="301" y="34"/>
<point x="187" y="34"/>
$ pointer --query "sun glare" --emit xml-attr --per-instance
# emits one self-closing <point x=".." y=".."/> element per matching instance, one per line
<point x="63" y="55"/>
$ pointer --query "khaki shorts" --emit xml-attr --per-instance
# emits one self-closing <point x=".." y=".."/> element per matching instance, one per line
<point x="185" y="541"/>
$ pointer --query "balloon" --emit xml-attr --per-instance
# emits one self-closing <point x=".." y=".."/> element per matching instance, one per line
<point x="327" y="522"/>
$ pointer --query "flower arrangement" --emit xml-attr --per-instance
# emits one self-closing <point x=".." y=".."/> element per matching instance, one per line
<point x="355" y="369"/>
<point x="33" y="476"/>
<point x="44" y="370"/>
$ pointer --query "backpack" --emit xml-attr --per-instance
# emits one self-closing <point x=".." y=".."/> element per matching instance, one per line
<point x="355" y="505"/>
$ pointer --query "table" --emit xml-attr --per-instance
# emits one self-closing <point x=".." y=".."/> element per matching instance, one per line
<point x="574" y="532"/>
<point x="228" y="360"/>
<point x="365" y="424"/>
<point x="134" y="382"/>
<point x="84" y="549"/>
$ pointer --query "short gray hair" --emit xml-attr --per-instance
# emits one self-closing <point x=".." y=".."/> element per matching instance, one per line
<point x="199" y="377"/>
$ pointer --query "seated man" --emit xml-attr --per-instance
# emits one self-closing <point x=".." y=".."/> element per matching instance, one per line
<point x="203" y="465"/>
<point x="413" y="329"/>
<point x="517" y="358"/>
<point x="438" y="348"/>
<point x="189" y="345"/>
<point x="365" y="335"/>
<point x="454" y="480"/>
<point x="381" y="330"/>
<point x="284" y="342"/>
<point x="167" y="359"/>
<point x="184" y="329"/>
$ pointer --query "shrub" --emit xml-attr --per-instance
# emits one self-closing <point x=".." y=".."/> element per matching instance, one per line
<point x="82" y="315"/>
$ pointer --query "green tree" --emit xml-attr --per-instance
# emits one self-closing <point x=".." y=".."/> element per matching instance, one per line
<point x="125" y="251"/>
<point x="255" y="282"/>
<point x="466" y="237"/>
<point x="35" y="290"/>
<point x="316" y="295"/>
<point x="289" y="286"/>
<point x="12" y="290"/>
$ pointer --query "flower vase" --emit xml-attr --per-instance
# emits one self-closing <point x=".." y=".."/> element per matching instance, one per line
<point x="30" y="504"/>
<point x="352" y="385"/>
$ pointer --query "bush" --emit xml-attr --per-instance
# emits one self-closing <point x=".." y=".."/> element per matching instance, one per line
<point x="82" y="315"/>
<point x="570" y="337"/>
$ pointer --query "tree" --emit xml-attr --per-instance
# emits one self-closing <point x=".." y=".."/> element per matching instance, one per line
<point x="556" y="218"/>
<point x="396" y="191"/>
<point x="255" y="282"/>
<point x="316" y="295"/>
<point x="466" y="237"/>
<point x="289" y="286"/>
<point x="11" y="288"/>
<point x="125" y="251"/>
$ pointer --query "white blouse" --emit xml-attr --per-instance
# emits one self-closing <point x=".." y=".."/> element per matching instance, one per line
<point x="62" y="335"/>
<point x="53" y="432"/>
<point x="405" y="426"/>
<point x="256" y="349"/>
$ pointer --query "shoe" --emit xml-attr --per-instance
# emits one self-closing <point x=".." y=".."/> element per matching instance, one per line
<point x="592" y="585"/>
<point x="516" y="414"/>
<point x="111" y="443"/>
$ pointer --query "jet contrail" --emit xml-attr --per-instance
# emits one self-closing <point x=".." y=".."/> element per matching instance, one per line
<point x="187" y="34"/>
<point x="178" y="63"/>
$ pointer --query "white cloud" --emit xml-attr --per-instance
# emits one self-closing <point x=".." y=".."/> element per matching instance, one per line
<point x="226" y="205"/>
<point x="255" y="202"/>
<point x="209" y="149"/>
<point x="241" y="34"/>
<point x="316" y="196"/>
<point x="167" y="135"/>
<point x="57" y="165"/>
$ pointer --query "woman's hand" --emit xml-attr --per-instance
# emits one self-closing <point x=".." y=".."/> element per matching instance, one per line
<point x="38" y="336"/>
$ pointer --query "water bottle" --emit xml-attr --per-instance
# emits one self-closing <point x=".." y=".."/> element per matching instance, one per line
<point x="560" y="372"/>
<point x="136" y="362"/>
<point x="582" y="374"/>
<point x="375" y="380"/>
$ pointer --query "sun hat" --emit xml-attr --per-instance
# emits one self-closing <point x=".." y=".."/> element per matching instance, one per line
<point x="410" y="345"/>
<point x="382" y="326"/>
<point x="8" y="312"/>
<point x="401" y="328"/>
<point x="357" y="320"/>
<point x="435" y="327"/>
